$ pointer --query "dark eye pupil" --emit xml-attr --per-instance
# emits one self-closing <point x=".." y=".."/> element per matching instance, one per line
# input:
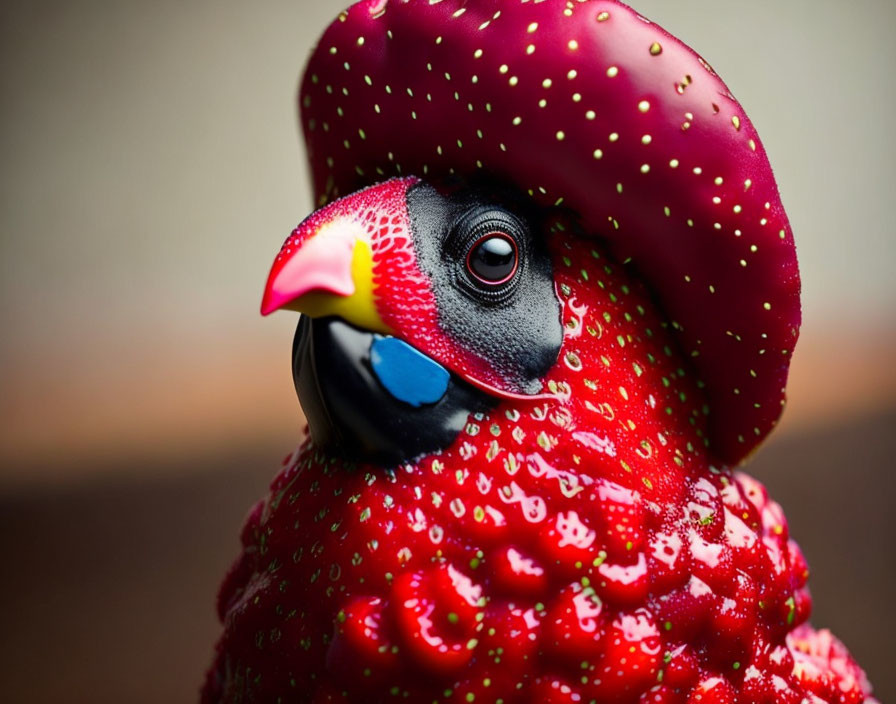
<point x="493" y="259"/>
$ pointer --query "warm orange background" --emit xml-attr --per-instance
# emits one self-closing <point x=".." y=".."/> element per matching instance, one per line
<point x="150" y="167"/>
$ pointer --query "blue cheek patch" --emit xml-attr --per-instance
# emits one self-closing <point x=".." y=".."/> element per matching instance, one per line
<point x="409" y="375"/>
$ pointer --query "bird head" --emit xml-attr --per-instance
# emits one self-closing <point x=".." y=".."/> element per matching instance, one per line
<point x="422" y="305"/>
<point x="466" y="189"/>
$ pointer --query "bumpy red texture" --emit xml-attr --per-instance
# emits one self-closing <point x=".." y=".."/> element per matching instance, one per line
<point x="588" y="106"/>
<point x="583" y="550"/>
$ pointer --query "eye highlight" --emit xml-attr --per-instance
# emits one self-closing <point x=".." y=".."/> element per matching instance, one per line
<point x="493" y="259"/>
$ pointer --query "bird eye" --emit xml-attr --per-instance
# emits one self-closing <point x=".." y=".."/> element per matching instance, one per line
<point x="493" y="259"/>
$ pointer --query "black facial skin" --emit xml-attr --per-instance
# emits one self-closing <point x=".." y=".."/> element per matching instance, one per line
<point x="351" y="415"/>
<point x="514" y="325"/>
<point x="495" y="297"/>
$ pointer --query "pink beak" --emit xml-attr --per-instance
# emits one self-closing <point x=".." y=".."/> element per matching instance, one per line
<point x="325" y="267"/>
<point x="315" y="258"/>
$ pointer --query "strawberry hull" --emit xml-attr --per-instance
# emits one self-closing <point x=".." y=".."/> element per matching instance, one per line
<point x="363" y="584"/>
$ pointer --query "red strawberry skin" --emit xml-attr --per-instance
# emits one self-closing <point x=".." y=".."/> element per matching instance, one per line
<point x="575" y="550"/>
<point x="591" y="544"/>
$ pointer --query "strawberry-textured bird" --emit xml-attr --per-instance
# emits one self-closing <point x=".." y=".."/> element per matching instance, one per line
<point x="550" y="300"/>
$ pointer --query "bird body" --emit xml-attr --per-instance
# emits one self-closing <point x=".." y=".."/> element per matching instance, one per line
<point x="515" y="487"/>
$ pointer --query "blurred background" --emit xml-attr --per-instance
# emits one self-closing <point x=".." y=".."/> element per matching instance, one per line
<point x="150" y="168"/>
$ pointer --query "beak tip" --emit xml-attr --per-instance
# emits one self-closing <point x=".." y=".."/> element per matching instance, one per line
<point x="269" y="303"/>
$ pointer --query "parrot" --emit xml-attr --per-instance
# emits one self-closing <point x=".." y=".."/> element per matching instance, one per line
<point x="548" y="304"/>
